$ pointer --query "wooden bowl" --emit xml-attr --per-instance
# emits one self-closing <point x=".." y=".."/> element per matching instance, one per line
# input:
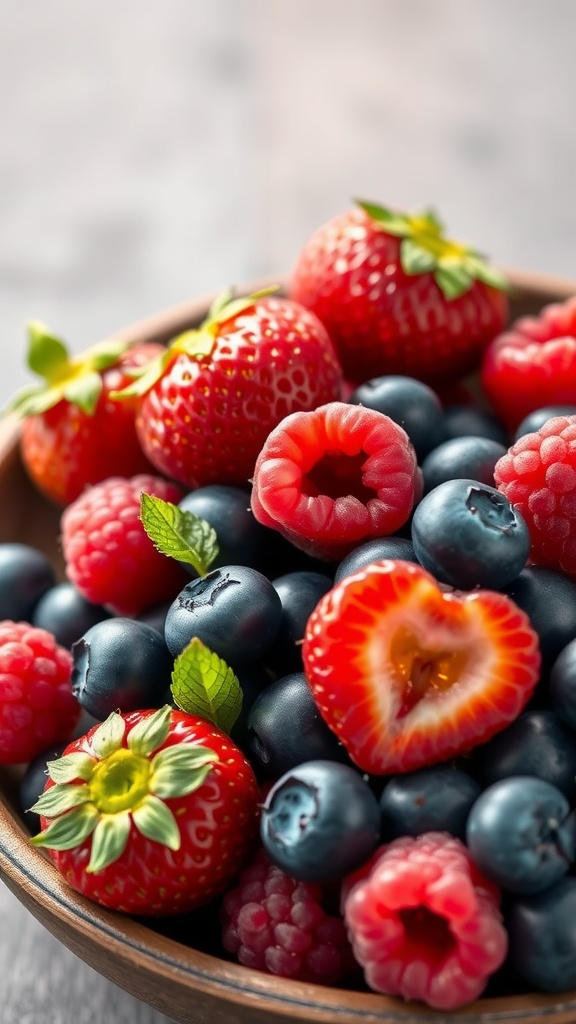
<point x="191" y="986"/>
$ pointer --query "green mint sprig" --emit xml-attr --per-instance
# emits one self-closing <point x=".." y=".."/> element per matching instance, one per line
<point x="203" y="684"/>
<point x="178" y="533"/>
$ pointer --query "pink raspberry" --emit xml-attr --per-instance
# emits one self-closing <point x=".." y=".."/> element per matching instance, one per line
<point x="423" y="921"/>
<point x="538" y="475"/>
<point x="37" y="707"/>
<point x="108" y="554"/>
<point x="334" y="477"/>
<point x="276" y="924"/>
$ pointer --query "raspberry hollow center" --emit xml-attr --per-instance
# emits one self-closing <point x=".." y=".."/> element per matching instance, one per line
<point x="423" y="929"/>
<point x="420" y="671"/>
<point x="338" y="475"/>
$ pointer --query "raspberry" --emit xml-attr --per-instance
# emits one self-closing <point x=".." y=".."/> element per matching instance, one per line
<point x="273" y="923"/>
<point x="108" y="555"/>
<point x="37" y="707"/>
<point x="423" y="921"/>
<point x="538" y="475"/>
<point x="334" y="477"/>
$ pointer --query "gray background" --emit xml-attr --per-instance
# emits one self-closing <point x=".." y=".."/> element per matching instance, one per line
<point x="154" y="149"/>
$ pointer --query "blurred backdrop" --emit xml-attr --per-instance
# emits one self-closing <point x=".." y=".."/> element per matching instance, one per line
<point x="153" y="149"/>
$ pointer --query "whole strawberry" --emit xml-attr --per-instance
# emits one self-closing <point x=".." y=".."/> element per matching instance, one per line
<point x="397" y="297"/>
<point x="149" y="813"/>
<point x="73" y="433"/>
<point x="214" y="396"/>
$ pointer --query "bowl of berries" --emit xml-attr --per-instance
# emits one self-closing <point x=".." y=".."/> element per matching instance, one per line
<point x="288" y="641"/>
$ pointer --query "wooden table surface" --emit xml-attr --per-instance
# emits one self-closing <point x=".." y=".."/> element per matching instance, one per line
<point x="152" y="151"/>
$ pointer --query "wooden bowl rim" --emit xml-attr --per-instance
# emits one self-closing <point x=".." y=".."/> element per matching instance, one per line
<point x="83" y="925"/>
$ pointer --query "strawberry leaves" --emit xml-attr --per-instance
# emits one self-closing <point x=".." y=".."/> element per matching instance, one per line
<point x="179" y="533"/>
<point x="424" y="249"/>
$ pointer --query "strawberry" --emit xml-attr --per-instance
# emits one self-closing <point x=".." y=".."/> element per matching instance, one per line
<point x="407" y="673"/>
<point x="216" y="393"/>
<point x="533" y="364"/>
<point x="397" y="297"/>
<point x="150" y="812"/>
<point x="73" y="434"/>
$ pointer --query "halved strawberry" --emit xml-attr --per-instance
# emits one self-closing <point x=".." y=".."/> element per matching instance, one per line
<point x="407" y="673"/>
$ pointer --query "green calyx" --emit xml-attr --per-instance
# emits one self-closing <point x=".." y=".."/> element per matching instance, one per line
<point x="118" y="785"/>
<point x="196" y="343"/>
<point x="75" y="379"/>
<point x="425" y="249"/>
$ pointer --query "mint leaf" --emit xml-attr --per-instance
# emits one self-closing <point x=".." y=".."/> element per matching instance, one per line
<point x="178" y="533"/>
<point x="203" y="684"/>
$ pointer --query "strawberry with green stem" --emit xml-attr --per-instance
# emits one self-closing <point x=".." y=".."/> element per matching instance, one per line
<point x="397" y="296"/>
<point x="73" y="433"/>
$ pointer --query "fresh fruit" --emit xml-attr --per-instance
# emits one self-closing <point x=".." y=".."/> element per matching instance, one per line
<point x="465" y="458"/>
<point x="423" y="921"/>
<point x="329" y="479"/>
<point x="548" y="598"/>
<point x="212" y="398"/>
<point x="396" y="548"/>
<point x="537" y="743"/>
<point x="532" y="363"/>
<point x="520" y="834"/>
<point x="562" y="685"/>
<point x="282" y="926"/>
<point x="65" y="613"/>
<point x="240" y="537"/>
<point x="274" y="749"/>
<point x="538" y="475"/>
<point x="469" y="534"/>
<point x="436" y="799"/>
<point x="299" y="593"/>
<point x="73" y="433"/>
<point x="542" y="931"/>
<point x="407" y="673"/>
<point x="534" y="420"/>
<point x="234" y="610"/>
<point x="37" y="706"/>
<point x="410" y="403"/>
<point x="397" y="297"/>
<point x="107" y="552"/>
<point x="120" y="665"/>
<point x="26" y="575"/>
<point x="320" y="821"/>
<point x="150" y="812"/>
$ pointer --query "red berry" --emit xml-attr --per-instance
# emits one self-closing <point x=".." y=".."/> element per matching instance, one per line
<point x="397" y="298"/>
<point x="159" y="809"/>
<point x="538" y="475"/>
<point x="223" y="388"/>
<point x="37" y="706"/>
<point x="273" y="923"/>
<point x="407" y="673"/>
<point x="108" y="555"/>
<point x="332" y="478"/>
<point x="66" y="448"/>
<point x="424" y="923"/>
<point x="533" y="364"/>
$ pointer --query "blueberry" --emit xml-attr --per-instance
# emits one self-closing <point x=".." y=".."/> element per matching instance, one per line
<point x="234" y="611"/>
<point x="274" y="749"/>
<point x="241" y="538"/>
<point x="562" y="685"/>
<point x="32" y="785"/>
<point x="536" y="419"/>
<point x="537" y="743"/>
<point x="320" y="821"/>
<point x="549" y="599"/>
<point x="26" y="574"/>
<point x="466" y="420"/>
<point x="469" y="535"/>
<point x="542" y="933"/>
<point x="299" y="593"/>
<point x="65" y="613"/>
<point x="120" y="664"/>
<point x="155" y="615"/>
<point x="436" y="799"/>
<point x="410" y="403"/>
<point x="253" y="679"/>
<point x="467" y="457"/>
<point x="373" y="551"/>
<point x="521" y="835"/>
